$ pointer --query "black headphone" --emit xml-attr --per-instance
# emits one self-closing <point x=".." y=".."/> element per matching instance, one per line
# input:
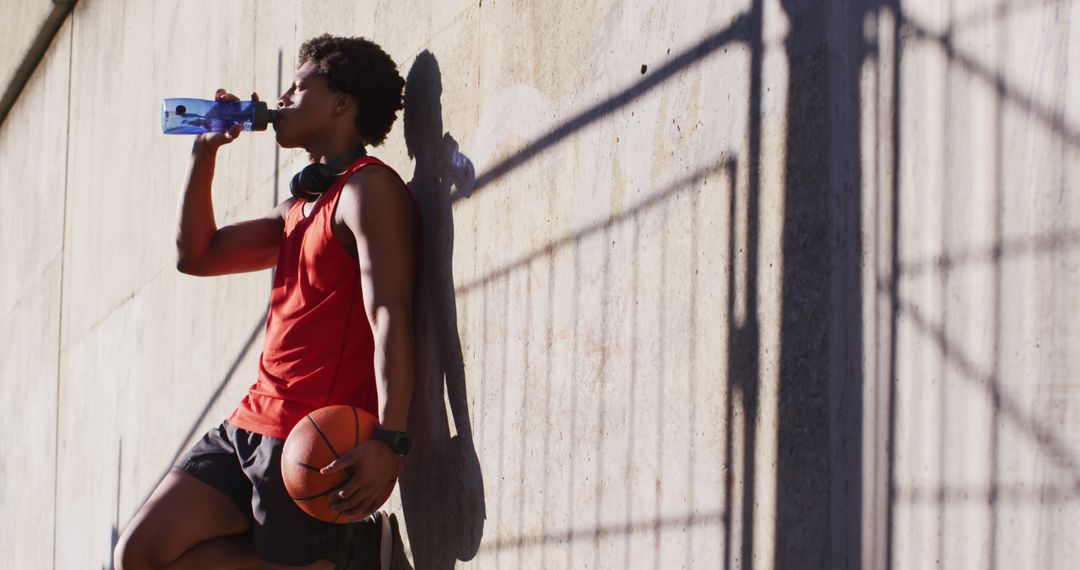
<point x="316" y="178"/>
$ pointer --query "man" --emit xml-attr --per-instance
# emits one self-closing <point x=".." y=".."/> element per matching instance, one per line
<point x="339" y="331"/>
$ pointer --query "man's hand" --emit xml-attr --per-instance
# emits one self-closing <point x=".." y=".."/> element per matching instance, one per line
<point x="217" y="140"/>
<point x="374" y="467"/>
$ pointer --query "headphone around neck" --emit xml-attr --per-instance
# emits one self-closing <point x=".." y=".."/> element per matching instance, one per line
<point x="317" y="178"/>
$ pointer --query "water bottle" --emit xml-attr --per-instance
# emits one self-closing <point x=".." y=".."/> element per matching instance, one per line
<point x="198" y="116"/>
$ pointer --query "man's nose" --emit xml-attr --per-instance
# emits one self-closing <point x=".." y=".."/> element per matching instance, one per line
<point x="284" y="99"/>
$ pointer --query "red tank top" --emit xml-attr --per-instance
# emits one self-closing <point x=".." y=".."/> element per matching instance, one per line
<point x="319" y="345"/>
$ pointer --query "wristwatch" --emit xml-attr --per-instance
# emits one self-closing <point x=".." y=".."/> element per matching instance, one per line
<point x="398" y="441"/>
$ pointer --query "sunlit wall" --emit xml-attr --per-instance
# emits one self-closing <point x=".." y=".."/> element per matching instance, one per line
<point x="753" y="284"/>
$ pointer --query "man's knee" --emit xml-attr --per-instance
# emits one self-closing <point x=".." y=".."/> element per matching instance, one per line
<point x="133" y="553"/>
<point x="123" y="555"/>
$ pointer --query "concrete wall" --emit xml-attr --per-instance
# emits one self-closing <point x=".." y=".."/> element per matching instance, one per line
<point x="18" y="23"/>
<point x="768" y="283"/>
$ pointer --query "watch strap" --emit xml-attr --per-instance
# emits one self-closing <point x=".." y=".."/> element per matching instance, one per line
<point x="397" y="440"/>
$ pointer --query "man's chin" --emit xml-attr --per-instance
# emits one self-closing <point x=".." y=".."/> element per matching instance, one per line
<point x="284" y="141"/>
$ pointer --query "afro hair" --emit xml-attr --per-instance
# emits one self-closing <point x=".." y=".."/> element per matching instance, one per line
<point x="360" y="68"/>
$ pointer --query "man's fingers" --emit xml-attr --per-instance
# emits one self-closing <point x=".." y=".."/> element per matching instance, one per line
<point x="223" y="95"/>
<point x="353" y="493"/>
<point x="360" y="510"/>
<point x="336" y="465"/>
<point x="348" y="490"/>
<point x="347" y="459"/>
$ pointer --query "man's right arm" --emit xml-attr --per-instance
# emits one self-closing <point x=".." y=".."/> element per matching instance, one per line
<point x="204" y="249"/>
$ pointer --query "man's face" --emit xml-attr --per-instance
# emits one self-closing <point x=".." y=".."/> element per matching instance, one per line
<point x="307" y="107"/>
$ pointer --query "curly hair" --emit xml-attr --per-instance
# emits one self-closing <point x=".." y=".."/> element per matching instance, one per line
<point x="360" y="68"/>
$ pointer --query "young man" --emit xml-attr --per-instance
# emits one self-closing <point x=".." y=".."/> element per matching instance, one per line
<point x="339" y="331"/>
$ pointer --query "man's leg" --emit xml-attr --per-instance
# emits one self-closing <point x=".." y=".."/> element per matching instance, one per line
<point x="236" y="552"/>
<point x="184" y="518"/>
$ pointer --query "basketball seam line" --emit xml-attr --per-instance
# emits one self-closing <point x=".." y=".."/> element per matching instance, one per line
<point x="313" y="497"/>
<point x="323" y="436"/>
<point x="290" y="457"/>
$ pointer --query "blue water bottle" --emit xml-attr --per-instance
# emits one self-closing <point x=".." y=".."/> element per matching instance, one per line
<point x="197" y="116"/>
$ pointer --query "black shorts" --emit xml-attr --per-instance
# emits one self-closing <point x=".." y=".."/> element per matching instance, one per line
<point x="247" y="467"/>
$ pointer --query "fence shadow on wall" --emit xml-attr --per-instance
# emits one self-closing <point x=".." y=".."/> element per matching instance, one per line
<point x="931" y="328"/>
<point x="820" y="409"/>
<point x="820" y="327"/>
<point x="650" y="221"/>
<point x="820" y="255"/>
<point x="654" y="218"/>
<point x="819" y="477"/>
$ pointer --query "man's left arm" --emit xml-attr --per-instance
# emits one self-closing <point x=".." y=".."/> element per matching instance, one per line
<point x="380" y="214"/>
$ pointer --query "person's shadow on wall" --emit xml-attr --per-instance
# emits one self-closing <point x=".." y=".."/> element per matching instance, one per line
<point x="442" y="488"/>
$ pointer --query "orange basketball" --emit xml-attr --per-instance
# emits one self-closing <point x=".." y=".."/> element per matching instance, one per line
<point x="321" y="437"/>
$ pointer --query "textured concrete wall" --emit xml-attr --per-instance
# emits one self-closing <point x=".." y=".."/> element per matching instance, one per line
<point x="18" y="23"/>
<point x="769" y="283"/>
<point x="33" y="147"/>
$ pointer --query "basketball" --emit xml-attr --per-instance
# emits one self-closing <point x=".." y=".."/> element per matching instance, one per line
<point x="319" y="438"/>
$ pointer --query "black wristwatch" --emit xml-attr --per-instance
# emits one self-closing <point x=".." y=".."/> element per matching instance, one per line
<point x="398" y="441"/>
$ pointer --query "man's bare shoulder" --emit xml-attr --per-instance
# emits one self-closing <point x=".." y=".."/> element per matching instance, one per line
<point x="374" y="194"/>
<point x="373" y="176"/>
<point x="375" y="186"/>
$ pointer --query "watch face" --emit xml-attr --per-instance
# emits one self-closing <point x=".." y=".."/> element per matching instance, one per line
<point x="404" y="443"/>
<point x="399" y="441"/>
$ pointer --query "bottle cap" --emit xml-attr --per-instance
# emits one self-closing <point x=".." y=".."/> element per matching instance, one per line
<point x="262" y="116"/>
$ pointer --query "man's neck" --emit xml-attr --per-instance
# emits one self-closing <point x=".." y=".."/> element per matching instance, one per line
<point x="326" y="151"/>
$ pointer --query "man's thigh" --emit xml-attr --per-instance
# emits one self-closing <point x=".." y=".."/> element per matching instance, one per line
<point x="182" y="512"/>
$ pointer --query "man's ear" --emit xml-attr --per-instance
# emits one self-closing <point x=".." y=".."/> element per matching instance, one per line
<point x="342" y="104"/>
